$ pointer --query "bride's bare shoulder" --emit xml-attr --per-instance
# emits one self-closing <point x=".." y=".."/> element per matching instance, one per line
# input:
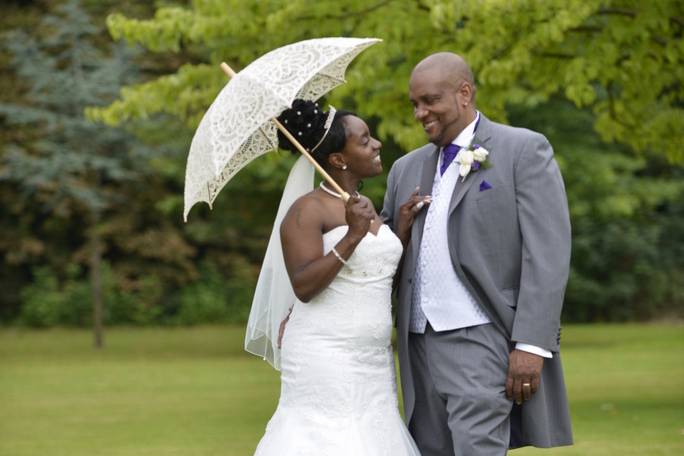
<point x="307" y="212"/>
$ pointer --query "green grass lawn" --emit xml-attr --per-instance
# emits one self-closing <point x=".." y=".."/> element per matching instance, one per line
<point x="195" y="392"/>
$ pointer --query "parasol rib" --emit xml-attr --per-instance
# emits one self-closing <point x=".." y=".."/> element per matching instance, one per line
<point x="332" y="78"/>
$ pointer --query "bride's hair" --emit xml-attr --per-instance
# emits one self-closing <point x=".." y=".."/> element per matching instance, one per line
<point x="306" y="122"/>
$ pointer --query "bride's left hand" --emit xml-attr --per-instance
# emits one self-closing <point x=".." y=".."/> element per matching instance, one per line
<point x="408" y="212"/>
<point x="281" y="328"/>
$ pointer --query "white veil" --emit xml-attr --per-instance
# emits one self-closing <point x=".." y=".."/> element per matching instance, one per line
<point x="274" y="296"/>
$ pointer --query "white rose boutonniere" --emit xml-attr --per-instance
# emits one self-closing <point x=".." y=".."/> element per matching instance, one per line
<point x="480" y="154"/>
<point x="472" y="158"/>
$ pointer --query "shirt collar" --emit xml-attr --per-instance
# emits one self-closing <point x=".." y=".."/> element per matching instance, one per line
<point x="462" y="140"/>
<point x="466" y="136"/>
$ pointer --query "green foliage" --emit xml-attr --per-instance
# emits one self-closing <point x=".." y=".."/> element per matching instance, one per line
<point x="213" y="299"/>
<point x="43" y="302"/>
<point x="51" y="300"/>
<point x="602" y="79"/>
<point x="620" y="63"/>
<point x="66" y="181"/>
<point x="64" y="163"/>
<point x="627" y="222"/>
<point x="133" y="305"/>
<point x="621" y="58"/>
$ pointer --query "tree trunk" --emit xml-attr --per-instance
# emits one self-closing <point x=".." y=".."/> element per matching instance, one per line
<point x="96" y="287"/>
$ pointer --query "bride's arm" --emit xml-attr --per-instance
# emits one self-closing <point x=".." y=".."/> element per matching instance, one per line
<point x="301" y="235"/>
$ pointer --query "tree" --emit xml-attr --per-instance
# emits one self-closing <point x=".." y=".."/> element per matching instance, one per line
<point x="546" y="65"/>
<point x="619" y="63"/>
<point x="68" y="169"/>
<point x="623" y="59"/>
<point x="627" y="218"/>
<point x="155" y="269"/>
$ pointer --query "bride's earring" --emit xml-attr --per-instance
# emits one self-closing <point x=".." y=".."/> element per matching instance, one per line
<point x="344" y="167"/>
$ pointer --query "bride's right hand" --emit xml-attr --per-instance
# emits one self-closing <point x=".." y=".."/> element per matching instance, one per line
<point x="359" y="213"/>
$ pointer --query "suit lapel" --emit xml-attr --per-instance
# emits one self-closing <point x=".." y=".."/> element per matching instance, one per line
<point x="427" y="178"/>
<point x="482" y="137"/>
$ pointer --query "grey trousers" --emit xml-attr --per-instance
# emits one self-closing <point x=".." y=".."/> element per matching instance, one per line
<point x="459" y="377"/>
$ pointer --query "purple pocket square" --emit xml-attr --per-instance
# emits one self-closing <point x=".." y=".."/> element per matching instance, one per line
<point x="484" y="185"/>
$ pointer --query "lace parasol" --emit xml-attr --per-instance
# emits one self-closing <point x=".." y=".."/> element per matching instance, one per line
<point x="240" y="124"/>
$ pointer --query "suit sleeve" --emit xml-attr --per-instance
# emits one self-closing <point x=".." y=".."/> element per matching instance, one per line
<point x="387" y="213"/>
<point x="545" y="227"/>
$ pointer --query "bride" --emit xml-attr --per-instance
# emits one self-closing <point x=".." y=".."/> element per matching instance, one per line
<point x="338" y="389"/>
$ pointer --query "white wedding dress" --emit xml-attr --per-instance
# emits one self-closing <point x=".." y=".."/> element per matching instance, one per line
<point x="338" y="388"/>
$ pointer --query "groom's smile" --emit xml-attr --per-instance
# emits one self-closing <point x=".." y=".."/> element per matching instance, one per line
<point x="428" y="126"/>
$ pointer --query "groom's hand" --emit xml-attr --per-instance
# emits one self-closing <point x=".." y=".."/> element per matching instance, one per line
<point x="524" y="375"/>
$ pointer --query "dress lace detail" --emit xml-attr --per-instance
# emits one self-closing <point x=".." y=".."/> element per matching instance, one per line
<point x="237" y="128"/>
<point x="338" y="387"/>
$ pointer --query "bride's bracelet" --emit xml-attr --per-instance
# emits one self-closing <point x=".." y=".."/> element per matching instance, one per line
<point x="339" y="257"/>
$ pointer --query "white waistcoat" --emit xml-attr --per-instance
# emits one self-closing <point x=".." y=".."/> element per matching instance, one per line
<point x="439" y="296"/>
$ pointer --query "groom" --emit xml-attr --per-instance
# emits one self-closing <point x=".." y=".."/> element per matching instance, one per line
<point x="482" y="282"/>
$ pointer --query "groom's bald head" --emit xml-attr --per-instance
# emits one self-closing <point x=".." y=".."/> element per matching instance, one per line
<point x="451" y="67"/>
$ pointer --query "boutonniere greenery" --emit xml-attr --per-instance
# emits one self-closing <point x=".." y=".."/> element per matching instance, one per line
<point x="472" y="158"/>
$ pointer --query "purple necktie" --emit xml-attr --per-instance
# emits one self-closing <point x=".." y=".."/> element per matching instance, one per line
<point x="448" y="154"/>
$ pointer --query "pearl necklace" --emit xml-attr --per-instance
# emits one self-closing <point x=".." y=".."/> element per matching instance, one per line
<point x="332" y="193"/>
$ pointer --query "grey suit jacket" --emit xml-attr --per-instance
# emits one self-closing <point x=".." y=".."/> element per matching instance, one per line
<point x="510" y="246"/>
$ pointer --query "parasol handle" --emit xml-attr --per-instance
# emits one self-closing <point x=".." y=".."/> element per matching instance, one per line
<point x="345" y="196"/>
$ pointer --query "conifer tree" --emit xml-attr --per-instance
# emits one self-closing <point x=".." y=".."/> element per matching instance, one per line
<point x="68" y="167"/>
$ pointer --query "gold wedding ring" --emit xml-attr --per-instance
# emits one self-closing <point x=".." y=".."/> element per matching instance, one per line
<point x="420" y="205"/>
<point x="527" y="390"/>
<point x="526" y="393"/>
